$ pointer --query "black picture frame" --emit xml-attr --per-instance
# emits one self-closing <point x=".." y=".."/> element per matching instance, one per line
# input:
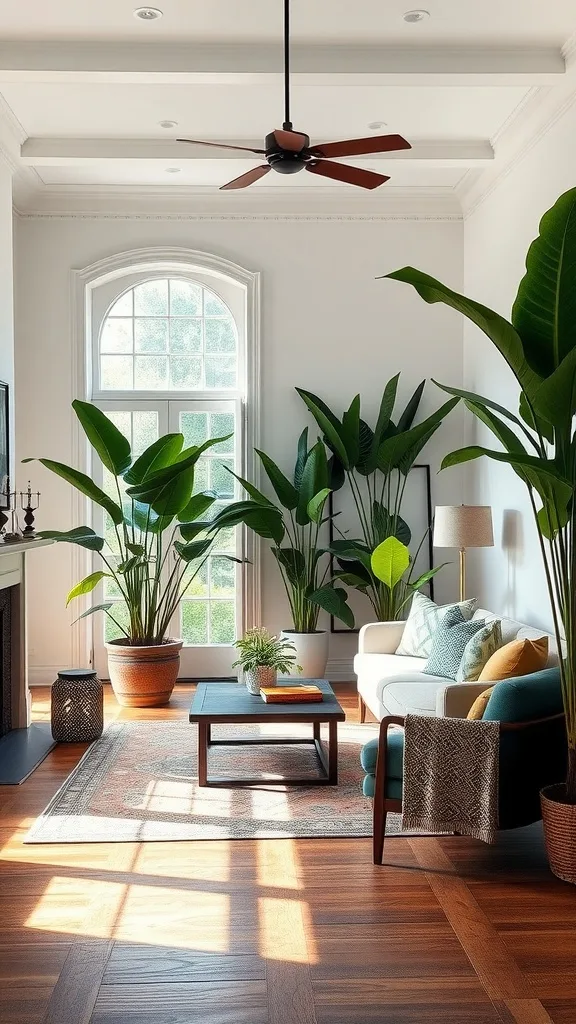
<point x="425" y="468"/>
<point x="4" y="446"/>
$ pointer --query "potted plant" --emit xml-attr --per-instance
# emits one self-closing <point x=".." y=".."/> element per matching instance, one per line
<point x="293" y="528"/>
<point x="539" y="346"/>
<point x="262" y="656"/>
<point x="375" y="462"/>
<point x="392" y="564"/>
<point x="160" y="545"/>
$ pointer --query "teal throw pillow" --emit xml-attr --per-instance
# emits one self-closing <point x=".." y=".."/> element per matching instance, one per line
<point x="449" y="644"/>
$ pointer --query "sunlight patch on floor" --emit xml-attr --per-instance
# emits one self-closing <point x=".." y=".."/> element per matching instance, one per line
<point x="281" y="934"/>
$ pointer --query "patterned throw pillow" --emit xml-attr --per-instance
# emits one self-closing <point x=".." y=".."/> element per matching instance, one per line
<point x="450" y="642"/>
<point x="423" y="621"/>
<point x="477" y="651"/>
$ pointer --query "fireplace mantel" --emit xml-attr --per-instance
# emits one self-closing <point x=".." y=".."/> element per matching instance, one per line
<point x="13" y="574"/>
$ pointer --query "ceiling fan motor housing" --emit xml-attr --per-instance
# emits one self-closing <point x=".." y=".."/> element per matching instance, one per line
<point x="283" y="160"/>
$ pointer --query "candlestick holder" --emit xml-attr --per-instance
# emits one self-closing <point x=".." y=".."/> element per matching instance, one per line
<point x="29" y="502"/>
<point x="14" y="535"/>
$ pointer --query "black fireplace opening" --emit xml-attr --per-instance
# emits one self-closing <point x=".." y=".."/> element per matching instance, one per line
<point x="6" y="660"/>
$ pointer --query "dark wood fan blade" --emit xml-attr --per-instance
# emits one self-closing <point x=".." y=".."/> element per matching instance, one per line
<point x="343" y="172"/>
<point x="222" y="145"/>
<point x="359" y="147"/>
<point x="247" y="179"/>
<point x="294" y="142"/>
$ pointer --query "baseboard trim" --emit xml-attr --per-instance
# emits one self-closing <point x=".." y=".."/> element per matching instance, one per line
<point x="42" y="675"/>
<point x="340" y="670"/>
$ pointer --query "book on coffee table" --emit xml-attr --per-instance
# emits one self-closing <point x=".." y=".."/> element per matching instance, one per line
<point x="290" y="694"/>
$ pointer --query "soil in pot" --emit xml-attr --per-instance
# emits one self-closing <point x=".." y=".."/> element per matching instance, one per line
<point x="143" y="677"/>
<point x="559" y="819"/>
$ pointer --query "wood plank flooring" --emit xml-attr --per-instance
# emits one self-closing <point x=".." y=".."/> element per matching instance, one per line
<point x="276" y="932"/>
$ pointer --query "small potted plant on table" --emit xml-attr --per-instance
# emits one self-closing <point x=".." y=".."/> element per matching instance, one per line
<point x="262" y="657"/>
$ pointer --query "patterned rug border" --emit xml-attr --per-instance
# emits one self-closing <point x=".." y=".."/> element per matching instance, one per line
<point x="91" y="770"/>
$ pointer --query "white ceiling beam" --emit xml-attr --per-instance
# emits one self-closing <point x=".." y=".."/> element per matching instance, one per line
<point x="311" y="64"/>
<point x="69" y="152"/>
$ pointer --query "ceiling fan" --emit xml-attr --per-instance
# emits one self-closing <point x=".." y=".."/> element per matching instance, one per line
<point x="288" y="151"/>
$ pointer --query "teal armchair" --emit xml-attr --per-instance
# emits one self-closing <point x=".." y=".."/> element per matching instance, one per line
<point x="532" y="752"/>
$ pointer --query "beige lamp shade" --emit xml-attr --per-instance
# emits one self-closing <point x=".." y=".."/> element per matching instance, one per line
<point x="463" y="526"/>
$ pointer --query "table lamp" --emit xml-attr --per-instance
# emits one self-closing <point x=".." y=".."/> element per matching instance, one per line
<point x="463" y="526"/>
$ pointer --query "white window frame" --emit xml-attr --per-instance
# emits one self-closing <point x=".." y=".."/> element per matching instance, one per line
<point x="153" y="262"/>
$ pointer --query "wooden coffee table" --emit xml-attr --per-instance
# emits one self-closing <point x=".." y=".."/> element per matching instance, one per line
<point x="218" y="703"/>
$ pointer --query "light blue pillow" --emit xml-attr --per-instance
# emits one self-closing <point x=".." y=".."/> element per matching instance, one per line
<point x="477" y="651"/>
<point x="449" y="644"/>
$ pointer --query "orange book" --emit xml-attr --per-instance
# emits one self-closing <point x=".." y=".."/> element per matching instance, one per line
<point x="290" y="694"/>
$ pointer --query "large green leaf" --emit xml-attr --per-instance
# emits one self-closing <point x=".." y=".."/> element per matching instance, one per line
<point x="171" y="497"/>
<point x="285" y="491"/>
<point x="555" y="399"/>
<point x="85" y="485"/>
<point x="195" y="549"/>
<point x="333" y="600"/>
<point x="403" y="448"/>
<point x="264" y="520"/>
<point x="314" y="480"/>
<point x="366" y="438"/>
<point x="534" y="421"/>
<point x="385" y="525"/>
<point x="389" y="561"/>
<point x="480" y="400"/>
<point x="301" y="456"/>
<point x="197" y="506"/>
<point x="87" y="585"/>
<point x="496" y="327"/>
<point x="158" y="455"/>
<point x="351" y="431"/>
<point x="350" y="550"/>
<point x="189" y="531"/>
<point x="407" y="418"/>
<point x="328" y="423"/>
<point x="82" y="535"/>
<point x="336" y="473"/>
<point x="508" y="439"/>
<point x="250" y="489"/>
<point x="95" y="608"/>
<point x="544" y="313"/>
<point x="294" y="564"/>
<point x="316" y="505"/>
<point x="111" y="446"/>
<point x="541" y="474"/>
<point x="144" y="518"/>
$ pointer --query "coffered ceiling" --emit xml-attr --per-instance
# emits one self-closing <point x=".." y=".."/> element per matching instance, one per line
<point x="84" y="87"/>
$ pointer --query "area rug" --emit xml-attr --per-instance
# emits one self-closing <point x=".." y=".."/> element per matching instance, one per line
<point x="139" y="782"/>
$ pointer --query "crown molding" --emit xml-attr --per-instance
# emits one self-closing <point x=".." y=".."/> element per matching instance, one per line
<point x="271" y="204"/>
<point x="530" y="123"/>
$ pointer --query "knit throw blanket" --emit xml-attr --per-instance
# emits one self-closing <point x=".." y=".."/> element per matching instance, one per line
<point x="451" y="776"/>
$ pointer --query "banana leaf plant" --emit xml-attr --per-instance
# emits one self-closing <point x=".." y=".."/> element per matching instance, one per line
<point x="376" y="461"/>
<point x="539" y="442"/>
<point x="293" y="527"/>
<point x="161" y="538"/>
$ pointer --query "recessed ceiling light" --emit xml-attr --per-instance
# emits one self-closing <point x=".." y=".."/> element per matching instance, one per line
<point x="148" y="13"/>
<point x="375" y="125"/>
<point x="173" y="170"/>
<point x="413" y="16"/>
<point x="168" y="124"/>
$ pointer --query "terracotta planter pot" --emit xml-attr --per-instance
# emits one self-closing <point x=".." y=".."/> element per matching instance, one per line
<point x="559" y="832"/>
<point x="143" y="677"/>
<point x="262" y="675"/>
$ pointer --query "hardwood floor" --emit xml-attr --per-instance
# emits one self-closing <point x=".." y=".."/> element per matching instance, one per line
<point x="276" y="932"/>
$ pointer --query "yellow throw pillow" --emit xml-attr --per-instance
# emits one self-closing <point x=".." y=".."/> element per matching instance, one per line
<point x="479" y="706"/>
<point x="518" y="658"/>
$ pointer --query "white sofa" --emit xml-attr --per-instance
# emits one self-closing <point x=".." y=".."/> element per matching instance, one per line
<point x="392" y="684"/>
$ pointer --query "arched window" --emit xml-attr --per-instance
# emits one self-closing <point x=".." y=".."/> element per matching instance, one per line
<point x="168" y="334"/>
<point x="168" y="352"/>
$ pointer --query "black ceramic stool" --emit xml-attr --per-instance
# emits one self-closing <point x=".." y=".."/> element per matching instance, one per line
<point x="77" y="706"/>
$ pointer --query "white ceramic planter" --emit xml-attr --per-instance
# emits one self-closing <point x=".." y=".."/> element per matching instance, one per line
<point x="311" y="653"/>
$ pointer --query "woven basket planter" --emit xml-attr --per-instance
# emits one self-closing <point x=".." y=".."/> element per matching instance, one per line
<point x="559" y="832"/>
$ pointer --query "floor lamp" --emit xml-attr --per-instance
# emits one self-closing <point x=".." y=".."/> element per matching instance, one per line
<point x="462" y="527"/>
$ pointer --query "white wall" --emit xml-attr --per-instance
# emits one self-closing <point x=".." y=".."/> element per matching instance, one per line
<point x="510" y="577"/>
<point x="328" y="325"/>
<point x="7" y="291"/>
